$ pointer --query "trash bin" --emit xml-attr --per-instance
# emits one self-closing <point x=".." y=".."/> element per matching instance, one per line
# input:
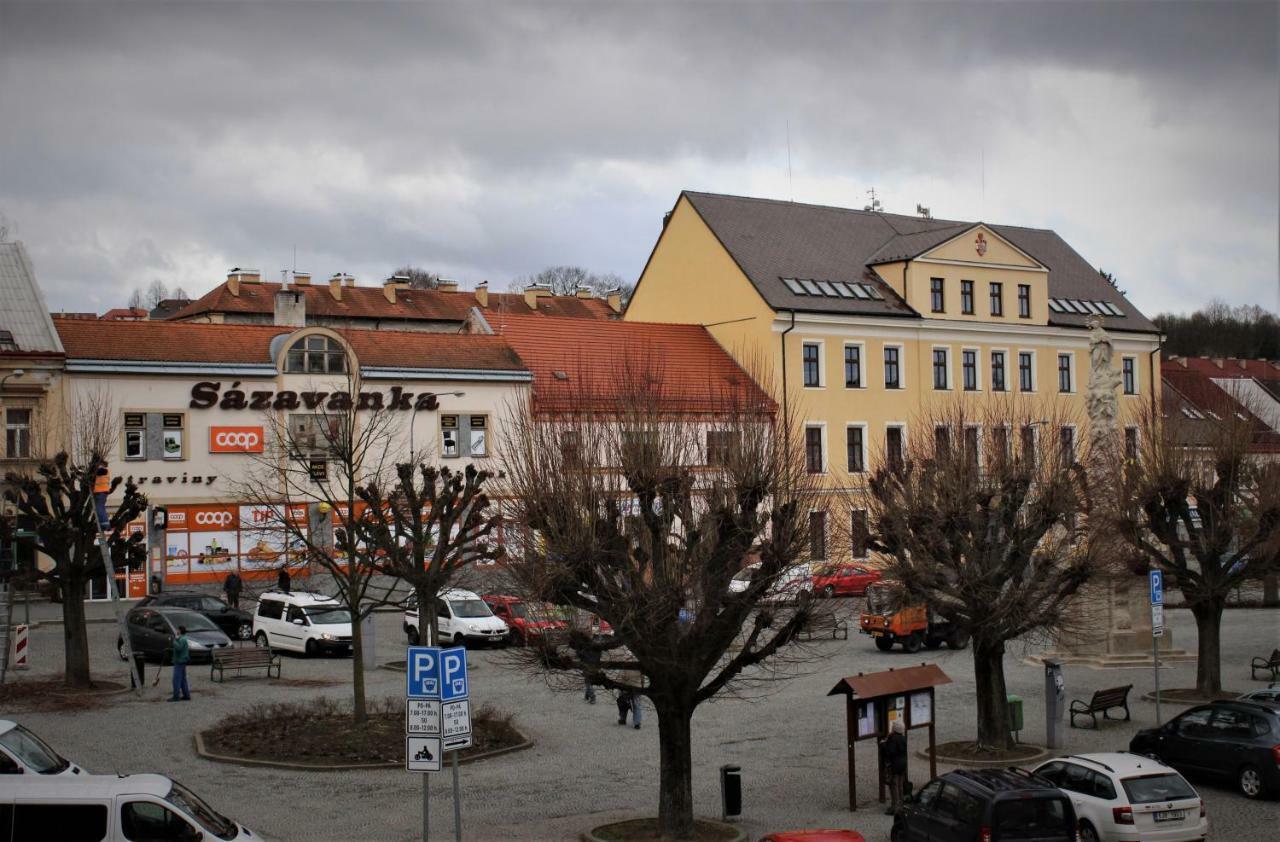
<point x="1015" y="713"/>
<point x="730" y="792"/>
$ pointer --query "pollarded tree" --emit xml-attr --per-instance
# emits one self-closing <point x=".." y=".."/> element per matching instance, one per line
<point x="644" y="503"/>
<point x="58" y="509"/>
<point x="982" y="523"/>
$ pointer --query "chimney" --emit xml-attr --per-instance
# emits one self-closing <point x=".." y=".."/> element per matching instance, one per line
<point x="302" y="279"/>
<point x="291" y="308"/>
<point x="391" y="285"/>
<point x="335" y="286"/>
<point x="348" y="281"/>
<point x="447" y="285"/>
<point x="1243" y="364"/>
<point x="1219" y="362"/>
<point x="614" y="298"/>
<point x="482" y="293"/>
<point x="533" y="292"/>
<point x="583" y="292"/>
<point x="239" y="276"/>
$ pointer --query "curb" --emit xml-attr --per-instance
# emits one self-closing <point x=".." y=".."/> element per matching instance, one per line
<point x="202" y="751"/>
<point x="923" y="754"/>
<point x="590" y="835"/>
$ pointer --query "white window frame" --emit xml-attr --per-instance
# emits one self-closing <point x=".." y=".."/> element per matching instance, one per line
<point x="950" y="384"/>
<point x="861" y="425"/>
<point x="977" y="368"/>
<point x="1071" y="366"/>
<point x="862" y="363"/>
<point x="5" y="409"/>
<point x="902" y="366"/>
<point x="822" y="362"/>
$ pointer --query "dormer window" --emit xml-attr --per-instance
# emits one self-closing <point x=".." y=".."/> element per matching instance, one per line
<point x="316" y="355"/>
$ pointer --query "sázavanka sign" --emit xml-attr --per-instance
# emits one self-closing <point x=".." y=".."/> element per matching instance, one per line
<point x="207" y="394"/>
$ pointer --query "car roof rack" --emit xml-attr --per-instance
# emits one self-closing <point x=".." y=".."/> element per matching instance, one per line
<point x="1084" y="759"/>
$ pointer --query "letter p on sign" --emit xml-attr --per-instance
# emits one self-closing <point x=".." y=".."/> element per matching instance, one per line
<point x="423" y="672"/>
<point x="453" y="674"/>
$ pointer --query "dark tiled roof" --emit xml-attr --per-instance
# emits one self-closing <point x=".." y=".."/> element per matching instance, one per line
<point x="772" y="240"/>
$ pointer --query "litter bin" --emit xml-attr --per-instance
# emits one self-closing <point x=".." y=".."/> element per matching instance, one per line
<point x="730" y="792"/>
<point x="1015" y="713"/>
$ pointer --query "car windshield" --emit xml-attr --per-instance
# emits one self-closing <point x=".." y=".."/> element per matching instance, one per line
<point x="1032" y="818"/>
<point x="208" y="603"/>
<point x="745" y="574"/>
<point x="882" y="600"/>
<point x="32" y="751"/>
<point x="326" y="615"/>
<point x="210" y="819"/>
<point x="1151" y="788"/>
<point x="193" y="621"/>
<point x="548" y="613"/>
<point x="470" y="608"/>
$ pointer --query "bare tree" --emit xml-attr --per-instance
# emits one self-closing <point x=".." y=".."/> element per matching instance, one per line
<point x="156" y="293"/>
<point x="643" y="516"/>
<point x="95" y="424"/>
<point x="418" y="278"/>
<point x="135" y="299"/>
<point x="58" y="505"/>
<point x="981" y="523"/>
<point x="566" y="280"/>
<point x="1202" y="505"/>
<point x="180" y="294"/>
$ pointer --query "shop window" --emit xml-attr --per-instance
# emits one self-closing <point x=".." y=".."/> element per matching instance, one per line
<point x="171" y="435"/>
<point x="135" y="435"/>
<point x="966" y="297"/>
<point x="464" y="435"/>
<point x="316" y="355"/>
<point x="17" y="433"/>
<point x="155" y="435"/>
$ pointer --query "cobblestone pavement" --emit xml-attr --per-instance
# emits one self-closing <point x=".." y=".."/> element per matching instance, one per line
<point x="584" y="769"/>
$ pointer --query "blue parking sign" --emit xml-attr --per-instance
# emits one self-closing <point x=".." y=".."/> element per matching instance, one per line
<point x="453" y="674"/>
<point x="1156" y="578"/>
<point x="422" y="672"/>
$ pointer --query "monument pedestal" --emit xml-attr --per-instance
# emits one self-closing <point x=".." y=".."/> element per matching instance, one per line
<point x="1113" y="619"/>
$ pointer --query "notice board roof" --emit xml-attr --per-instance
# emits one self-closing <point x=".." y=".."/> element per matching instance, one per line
<point x="890" y="683"/>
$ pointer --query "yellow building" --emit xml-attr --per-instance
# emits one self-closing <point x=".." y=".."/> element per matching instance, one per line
<point x="866" y="320"/>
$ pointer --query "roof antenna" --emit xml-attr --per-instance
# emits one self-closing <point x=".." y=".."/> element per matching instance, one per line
<point x="790" y="185"/>
<point x="875" y="205"/>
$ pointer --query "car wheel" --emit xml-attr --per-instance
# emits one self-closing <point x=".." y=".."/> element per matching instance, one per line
<point x="884" y="644"/>
<point x="1087" y="833"/>
<point x="120" y="649"/>
<point x="244" y="631"/>
<point x="311" y="648"/>
<point x="829" y="591"/>
<point x="958" y="640"/>
<point x="261" y="640"/>
<point x="913" y="643"/>
<point x="412" y="634"/>
<point x="1249" y="781"/>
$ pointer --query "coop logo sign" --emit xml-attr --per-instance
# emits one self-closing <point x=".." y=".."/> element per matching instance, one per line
<point x="235" y="439"/>
<point x="214" y="518"/>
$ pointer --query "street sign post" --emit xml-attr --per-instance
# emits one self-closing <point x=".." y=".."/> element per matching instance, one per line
<point x="1155" y="578"/>
<point x="437" y="717"/>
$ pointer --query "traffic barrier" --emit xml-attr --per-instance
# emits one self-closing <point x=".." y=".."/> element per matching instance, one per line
<point x="20" y="648"/>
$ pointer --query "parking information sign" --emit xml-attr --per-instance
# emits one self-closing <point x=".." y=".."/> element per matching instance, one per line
<point x="437" y="709"/>
<point x="1156" y="578"/>
<point x="422" y="754"/>
<point x="453" y="674"/>
<point x="423" y="717"/>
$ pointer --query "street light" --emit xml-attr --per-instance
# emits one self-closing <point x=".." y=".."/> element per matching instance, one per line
<point x="17" y="372"/>
<point x="413" y="417"/>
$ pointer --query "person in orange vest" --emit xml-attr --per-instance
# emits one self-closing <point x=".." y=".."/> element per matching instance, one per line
<point x="101" y="488"/>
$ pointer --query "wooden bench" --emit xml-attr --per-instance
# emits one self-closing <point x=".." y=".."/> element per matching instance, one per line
<point x="823" y="622"/>
<point x="1271" y="665"/>
<point x="1102" y="701"/>
<point x="249" y="657"/>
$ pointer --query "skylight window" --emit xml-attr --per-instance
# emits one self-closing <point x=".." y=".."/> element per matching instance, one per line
<point x="827" y="288"/>
<point x="859" y="291"/>
<point x="1056" y="306"/>
<point x="810" y="287"/>
<point x="794" y="286"/>
<point x="843" y="289"/>
<point x="873" y="292"/>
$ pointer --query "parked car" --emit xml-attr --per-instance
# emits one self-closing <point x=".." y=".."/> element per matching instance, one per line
<point x="1262" y="694"/>
<point x="462" y="617"/>
<point x="1123" y="797"/>
<point x="1236" y="740"/>
<point x="152" y="630"/>
<point x="787" y="587"/>
<point x="301" y="621"/>
<point x="844" y="580"/>
<point x="118" y="808"/>
<point x="530" y="622"/>
<point x="986" y="805"/>
<point x="23" y="753"/>
<point x="235" y="624"/>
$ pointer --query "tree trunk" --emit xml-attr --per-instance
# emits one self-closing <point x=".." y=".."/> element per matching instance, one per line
<point x="993" y="700"/>
<point x="75" y="637"/>
<point x="1271" y="591"/>
<point x="359" y="712"/>
<point x="675" y="786"/>
<point x="1208" y="614"/>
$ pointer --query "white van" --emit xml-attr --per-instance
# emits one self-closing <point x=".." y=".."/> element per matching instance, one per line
<point x="23" y="753"/>
<point x="462" y="617"/>
<point x="119" y="808"/>
<point x="302" y="621"/>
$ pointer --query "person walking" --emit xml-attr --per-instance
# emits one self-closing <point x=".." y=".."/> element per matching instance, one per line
<point x="101" y="488"/>
<point x="894" y="748"/>
<point x="629" y="700"/>
<point x="181" y="657"/>
<point x="282" y="580"/>
<point x="231" y="585"/>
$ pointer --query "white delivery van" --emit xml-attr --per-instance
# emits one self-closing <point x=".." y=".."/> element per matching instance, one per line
<point x="462" y="618"/>
<point x="302" y="621"/>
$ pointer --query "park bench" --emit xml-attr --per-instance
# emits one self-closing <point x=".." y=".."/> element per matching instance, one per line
<point x="249" y="657"/>
<point x="1271" y="665"/>
<point x="821" y="622"/>
<point x="1102" y="701"/>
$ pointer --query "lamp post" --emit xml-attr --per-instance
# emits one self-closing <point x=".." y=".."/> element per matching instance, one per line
<point x="413" y="417"/>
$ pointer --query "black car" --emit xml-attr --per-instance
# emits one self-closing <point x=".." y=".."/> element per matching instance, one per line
<point x="1237" y="740"/>
<point x="153" y="628"/>
<point x="986" y="805"/>
<point x="235" y="624"/>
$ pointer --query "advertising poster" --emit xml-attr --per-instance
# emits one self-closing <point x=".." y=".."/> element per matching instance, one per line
<point x="921" y="709"/>
<point x="866" y="719"/>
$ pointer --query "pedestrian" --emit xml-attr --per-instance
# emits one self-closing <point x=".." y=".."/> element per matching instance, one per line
<point x="282" y="580"/>
<point x="101" y="488"/>
<point x="629" y="699"/>
<point x="232" y="587"/>
<point x="181" y="657"/>
<point x="894" y="749"/>
<point x="590" y="658"/>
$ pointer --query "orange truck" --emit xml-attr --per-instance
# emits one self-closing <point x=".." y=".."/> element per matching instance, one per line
<point x="890" y="619"/>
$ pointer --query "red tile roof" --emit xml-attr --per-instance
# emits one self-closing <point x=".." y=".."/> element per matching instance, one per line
<point x="588" y="364"/>
<point x="1191" y="388"/>
<point x="370" y="303"/>
<point x="166" y="341"/>
<point x="1226" y="367"/>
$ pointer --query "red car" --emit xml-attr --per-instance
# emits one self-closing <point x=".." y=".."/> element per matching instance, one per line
<point x="847" y="580"/>
<point x="528" y="622"/>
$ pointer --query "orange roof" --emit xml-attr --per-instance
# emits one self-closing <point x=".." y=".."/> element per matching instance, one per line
<point x="1225" y="367"/>
<point x="190" y="342"/>
<point x="371" y="303"/>
<point x="589" y="364"/>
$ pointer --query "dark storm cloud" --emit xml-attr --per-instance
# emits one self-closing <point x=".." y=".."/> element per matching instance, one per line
<point x="485" y="140"/>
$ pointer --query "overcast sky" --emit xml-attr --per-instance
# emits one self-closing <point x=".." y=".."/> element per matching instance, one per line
<point x="173" y="141"/>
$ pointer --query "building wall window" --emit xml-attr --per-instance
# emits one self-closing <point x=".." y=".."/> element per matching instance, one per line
<point x="154" y="435"/>
<point x="720" y="446"/>
<point x="812" y="357"/>
<point x="818" y="535"/>
<point x="941" y="441"/>
<point x="1067" y="442"/>
<point x="969" y="368"/>
<point x="17" y="433"/>
<point x="997" y="371"/>
<point x="997" y="298"/>
<point x="855" y="443"/>
<point x="1064" y="373"/>
<point x="966" y="297"/>
<point x="853" y="366"/>
<point x="1024" y="301"/>
<point x="464" y="435"/>
<point x="814" y="463"/>
<point x="1129" y="371"/>
<point x="1026" y="369"/>
<point x="571" y="449"/>
<point x="894" y="457"/>
<point x="1131" y="443"/>
<point x="941" y="364"/>
<point x="1029" y="444"/>
<point x="1000" y="444"/>
<point x="937" y="294"/>
<point x="971" y="447"/>
<point x="315" y="355"/>
<point x="893" y="367"/>
<point x="859" y="535"/>
<point x="315" y="439"/>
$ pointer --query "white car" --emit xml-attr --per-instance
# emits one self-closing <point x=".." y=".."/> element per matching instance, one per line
<point x="301" y="621"/>
<point x="462" y="617"/>
<point x="23" y="753"/>
<point x="119" y="808"/>
<point x="791" y="582"/>
<point x="1123" y="797"/>
<point x="1265" y="694"/>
